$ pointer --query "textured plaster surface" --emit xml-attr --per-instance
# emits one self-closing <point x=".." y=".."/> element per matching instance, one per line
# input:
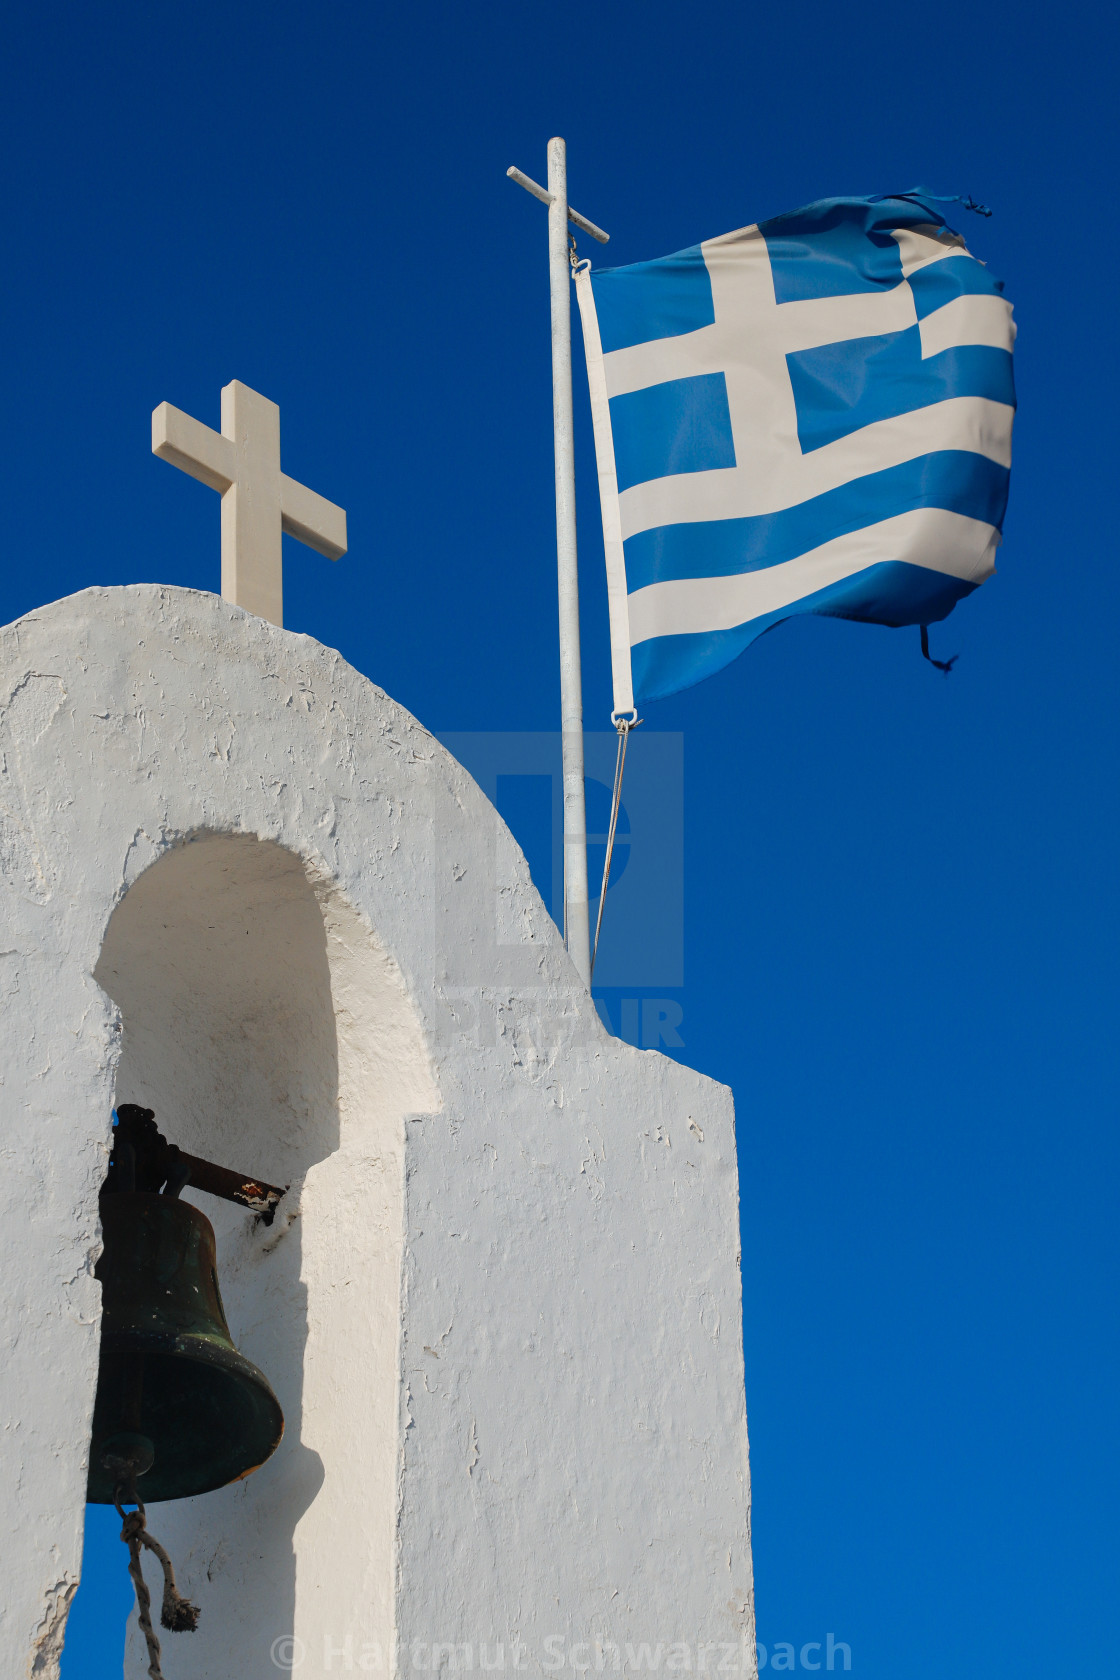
<point x="501" y="1303"/>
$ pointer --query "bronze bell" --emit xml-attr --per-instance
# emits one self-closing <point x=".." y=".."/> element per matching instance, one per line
<point x="172" y="1390"/>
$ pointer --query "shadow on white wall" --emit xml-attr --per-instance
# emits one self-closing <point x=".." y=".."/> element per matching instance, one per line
<point x="272" y="1033"/>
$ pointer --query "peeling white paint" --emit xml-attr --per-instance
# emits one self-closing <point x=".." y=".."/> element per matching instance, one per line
<point x="46" y="1645"/>
<point x="243" y="886"/>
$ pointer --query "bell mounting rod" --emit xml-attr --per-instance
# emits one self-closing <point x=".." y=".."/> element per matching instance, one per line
<point x="233" y="1186"/>
<point x="143" y="1159"/>
<point x="546" y="197"/>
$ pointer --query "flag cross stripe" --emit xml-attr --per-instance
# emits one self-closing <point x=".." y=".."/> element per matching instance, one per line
<point x="812" y="414"/>
<point x="747" y="345"/>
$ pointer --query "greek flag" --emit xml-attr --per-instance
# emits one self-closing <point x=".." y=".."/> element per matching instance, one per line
<point x="811" y="415"/>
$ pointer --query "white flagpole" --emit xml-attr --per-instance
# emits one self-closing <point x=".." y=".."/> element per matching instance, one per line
<point x="577" y="930"/>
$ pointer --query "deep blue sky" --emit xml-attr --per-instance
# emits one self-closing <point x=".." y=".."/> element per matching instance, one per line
<point x="900" y="892"/>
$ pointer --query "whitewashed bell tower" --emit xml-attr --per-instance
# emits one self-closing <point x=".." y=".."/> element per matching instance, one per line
<point x="501" y="1302"/>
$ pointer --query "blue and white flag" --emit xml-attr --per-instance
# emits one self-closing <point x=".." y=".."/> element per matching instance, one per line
<point x="811" y="415"/>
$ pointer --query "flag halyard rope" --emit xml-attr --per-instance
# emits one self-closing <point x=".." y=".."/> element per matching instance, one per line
<point x="624" y="725"/>
<point x="943" y="665"/>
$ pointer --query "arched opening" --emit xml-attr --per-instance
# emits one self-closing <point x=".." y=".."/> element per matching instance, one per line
<point x="271" y="1033"/>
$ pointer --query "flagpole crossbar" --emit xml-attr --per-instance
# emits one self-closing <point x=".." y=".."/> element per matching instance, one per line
<point x="547" y="198"/>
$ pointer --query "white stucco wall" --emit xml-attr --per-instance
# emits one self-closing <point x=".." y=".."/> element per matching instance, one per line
<point x="501" y="1304"/>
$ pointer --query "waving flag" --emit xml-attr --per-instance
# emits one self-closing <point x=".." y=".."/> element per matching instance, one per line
<point x="811" y="415"/>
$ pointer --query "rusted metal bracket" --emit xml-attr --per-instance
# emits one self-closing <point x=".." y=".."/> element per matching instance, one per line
<point x="142" y="1159"/>
<point x="233" y="1187"/>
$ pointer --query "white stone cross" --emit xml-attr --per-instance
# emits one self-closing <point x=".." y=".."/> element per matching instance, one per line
<point x="258" y="500"/>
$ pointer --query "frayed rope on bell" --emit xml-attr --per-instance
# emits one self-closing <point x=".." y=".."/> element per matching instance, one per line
<point x="177" y="1613"/>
